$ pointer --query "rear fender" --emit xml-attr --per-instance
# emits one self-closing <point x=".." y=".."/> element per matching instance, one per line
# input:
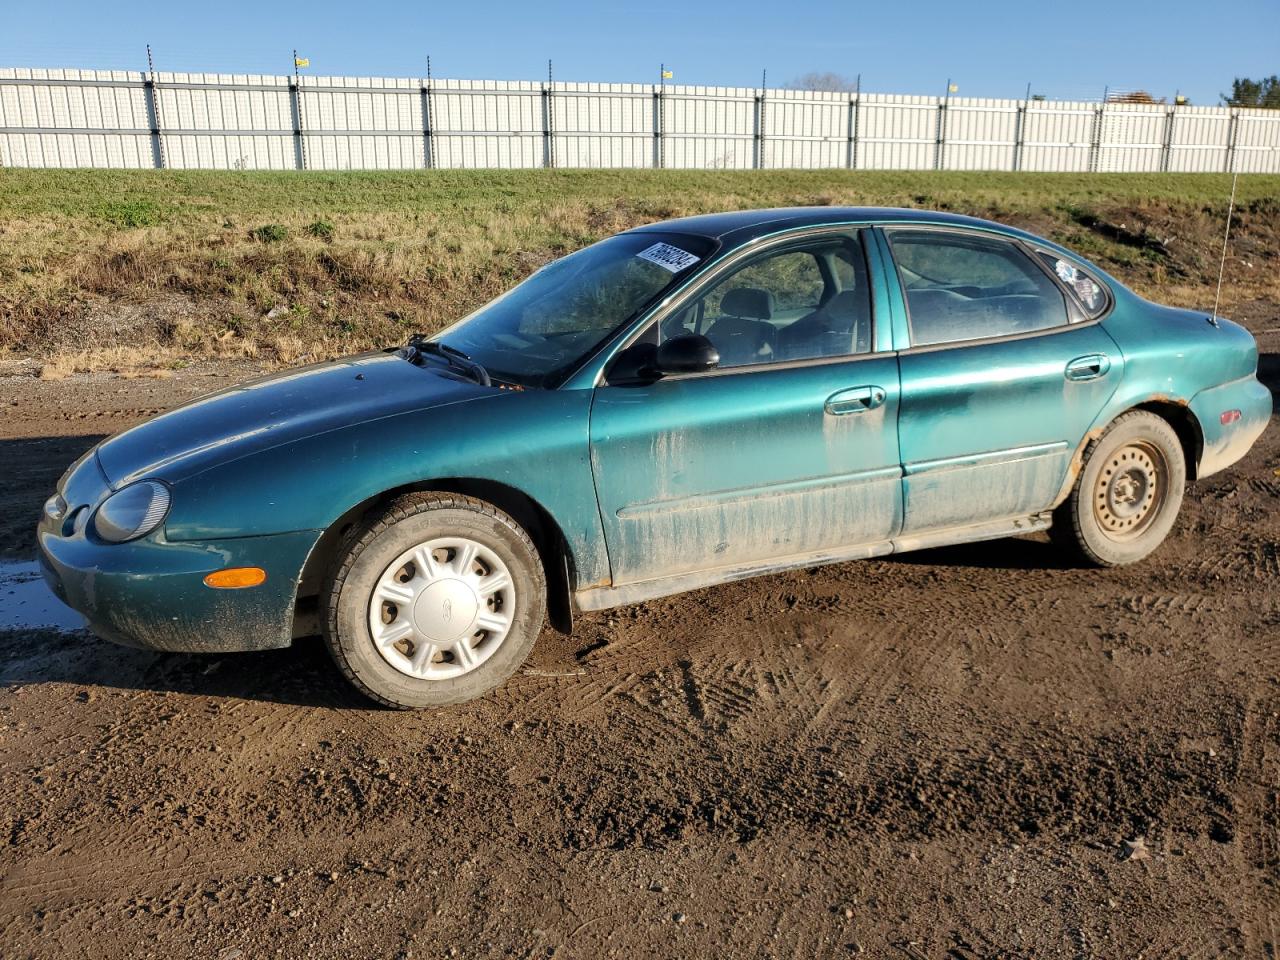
<point x="1176" y="411"/>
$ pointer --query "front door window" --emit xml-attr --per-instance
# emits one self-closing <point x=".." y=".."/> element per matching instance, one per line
<point x="803" y="302"/>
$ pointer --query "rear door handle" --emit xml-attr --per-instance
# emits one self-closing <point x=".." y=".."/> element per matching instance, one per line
<point x="854" y="400"/>
<point x="1089" y="367"/>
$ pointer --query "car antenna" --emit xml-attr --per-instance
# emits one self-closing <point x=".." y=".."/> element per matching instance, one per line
<point x="1226" y="237"/>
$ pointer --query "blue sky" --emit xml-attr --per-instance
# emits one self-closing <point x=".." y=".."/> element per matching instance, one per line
<point x="1064" y="50"/>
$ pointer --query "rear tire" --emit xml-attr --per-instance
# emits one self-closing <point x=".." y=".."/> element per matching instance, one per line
<point x="1127" y="496"/>
<point x="435" y="601"/>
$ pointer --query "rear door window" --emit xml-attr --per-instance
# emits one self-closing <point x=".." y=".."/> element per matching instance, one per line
<point x="963" y="286"/>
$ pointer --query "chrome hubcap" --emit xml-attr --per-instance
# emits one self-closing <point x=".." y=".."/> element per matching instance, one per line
<point x="442" y="608"/>
<point x="1129" y="490"/>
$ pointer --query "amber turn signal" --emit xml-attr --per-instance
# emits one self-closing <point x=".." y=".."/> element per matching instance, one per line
<point x="235" y="578"/>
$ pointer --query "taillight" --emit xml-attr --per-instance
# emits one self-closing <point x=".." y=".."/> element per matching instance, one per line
<point x="1229" y="416"/>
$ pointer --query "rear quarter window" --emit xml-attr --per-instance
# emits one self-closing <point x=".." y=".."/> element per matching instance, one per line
<point x="1085" y="289"/>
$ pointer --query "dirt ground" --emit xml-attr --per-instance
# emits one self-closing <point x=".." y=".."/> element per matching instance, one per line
<point x="939" y="755"/>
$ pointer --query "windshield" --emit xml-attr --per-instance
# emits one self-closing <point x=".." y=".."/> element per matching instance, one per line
<point x="536" y="332"/>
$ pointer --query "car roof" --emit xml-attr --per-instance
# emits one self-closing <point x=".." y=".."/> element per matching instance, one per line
<point x="740" y="226"/>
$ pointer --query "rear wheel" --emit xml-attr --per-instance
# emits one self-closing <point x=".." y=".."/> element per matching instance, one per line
<point x="1127" y="496"/>
<point x="435" y="601"/>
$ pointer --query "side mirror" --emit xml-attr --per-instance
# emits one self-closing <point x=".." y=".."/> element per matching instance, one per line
<point x="687" y="353"/>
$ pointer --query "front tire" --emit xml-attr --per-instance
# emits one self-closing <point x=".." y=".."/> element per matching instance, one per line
<point x="435" y="601"/>
<point x="1128" y="493"/>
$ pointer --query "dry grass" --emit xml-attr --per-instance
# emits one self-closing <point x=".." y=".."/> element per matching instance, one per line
<point x="141" y="270"/>
<point x="128" y="361"/>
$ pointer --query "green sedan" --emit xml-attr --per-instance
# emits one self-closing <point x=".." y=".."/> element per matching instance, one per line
<point x="677" y="406"/>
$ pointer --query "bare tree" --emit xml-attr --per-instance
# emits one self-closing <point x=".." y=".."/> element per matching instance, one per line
<point x="831" y="82"/>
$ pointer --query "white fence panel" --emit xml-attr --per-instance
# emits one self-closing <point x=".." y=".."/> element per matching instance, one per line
<point x="362" y="124"/>
<point x="604" y="125"/>
<point x="1257" y="142"/>
<point x="898" y="133"/>
<point x="1198" y="140"/>
<point x="225" y="121"/>
<point x="980" y="135"/>
<point x="487" y="124"/>
<point x="87" y="118"/>
<point x="709" y="128"/>
<point x="74" y="118"/>
<point x="1057" y="136"/>
<point x="1132" y="137"/>
<point x="805" y="130"/>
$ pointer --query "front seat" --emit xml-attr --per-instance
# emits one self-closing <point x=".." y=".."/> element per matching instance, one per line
<point x="742" y="333"/>
<point x="840" y="326"/>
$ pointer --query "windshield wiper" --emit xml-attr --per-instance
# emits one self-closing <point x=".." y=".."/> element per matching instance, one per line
<point x="419" y="344"/>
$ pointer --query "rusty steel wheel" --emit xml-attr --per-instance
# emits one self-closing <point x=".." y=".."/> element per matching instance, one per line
<point x="1126" y="497"/>
<point x="1130" y="489"/>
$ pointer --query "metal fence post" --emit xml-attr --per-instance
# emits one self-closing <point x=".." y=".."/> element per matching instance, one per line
<point x="1166" y="147"/>
<point x="853" y="132"/>
<point x="1019" y="134"/>
<point x="1095" y="140"/>
<point x="548" y="122"/>
<point x="658" y="124"/>
<point x="429" y="120"/>
<point x="547" y="160"/>
<point x="759" y="138"/>
<point x="153" y="111"/>
<point x="1233" y="130"/>
<point x="940" y="138"/>
<point x="428" y="148"/>
<point x="295" y="88"/>
<point x="299" y="149"/>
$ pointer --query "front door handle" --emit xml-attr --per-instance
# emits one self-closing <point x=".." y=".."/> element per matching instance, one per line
<point x="1090" y="367"/>
<point x="854" y="400"/>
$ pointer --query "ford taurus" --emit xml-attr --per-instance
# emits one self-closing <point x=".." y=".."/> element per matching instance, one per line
<point x="680" y="405"/>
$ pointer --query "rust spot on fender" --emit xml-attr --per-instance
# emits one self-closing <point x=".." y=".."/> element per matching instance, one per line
<point x="1077" y="463"/>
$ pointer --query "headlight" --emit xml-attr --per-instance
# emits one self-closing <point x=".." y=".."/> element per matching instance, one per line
<point x="132" y="512"/>
<point x="55" y="508"/>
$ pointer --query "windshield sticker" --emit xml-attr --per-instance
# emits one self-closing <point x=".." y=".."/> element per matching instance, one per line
<point x="668" y="257"/>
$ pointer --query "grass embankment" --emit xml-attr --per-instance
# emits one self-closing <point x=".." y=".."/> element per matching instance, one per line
<point x="133" y="268"/>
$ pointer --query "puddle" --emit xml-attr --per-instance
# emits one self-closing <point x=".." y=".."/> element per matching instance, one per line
<point x="27" y="603"/>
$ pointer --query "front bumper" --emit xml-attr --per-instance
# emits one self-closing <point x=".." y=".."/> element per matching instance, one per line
<point x="150" y="592"/>
<point x="1225" y="443"/>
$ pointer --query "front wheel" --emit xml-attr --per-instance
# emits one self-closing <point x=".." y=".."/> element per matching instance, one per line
<point x="1128" y="493"/>
<point x="435" y="601"/>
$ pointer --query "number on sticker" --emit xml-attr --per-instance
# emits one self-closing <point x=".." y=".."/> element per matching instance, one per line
<point x="669" y="257"/>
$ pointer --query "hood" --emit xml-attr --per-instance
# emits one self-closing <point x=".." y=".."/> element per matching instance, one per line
<point x="275" y="410"/>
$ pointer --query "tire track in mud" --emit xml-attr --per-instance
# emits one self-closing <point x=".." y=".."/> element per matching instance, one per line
<point x="1258" y="561"/>
<point x="29" y="885"/>
<point x="1260" y="821"/>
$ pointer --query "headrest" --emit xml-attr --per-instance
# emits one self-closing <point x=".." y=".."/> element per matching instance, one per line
<point x="843" y="304"/>
<point x="749" y="302"/>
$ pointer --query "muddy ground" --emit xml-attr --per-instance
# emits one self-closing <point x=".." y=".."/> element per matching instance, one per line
<point x="939" y="755"/>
